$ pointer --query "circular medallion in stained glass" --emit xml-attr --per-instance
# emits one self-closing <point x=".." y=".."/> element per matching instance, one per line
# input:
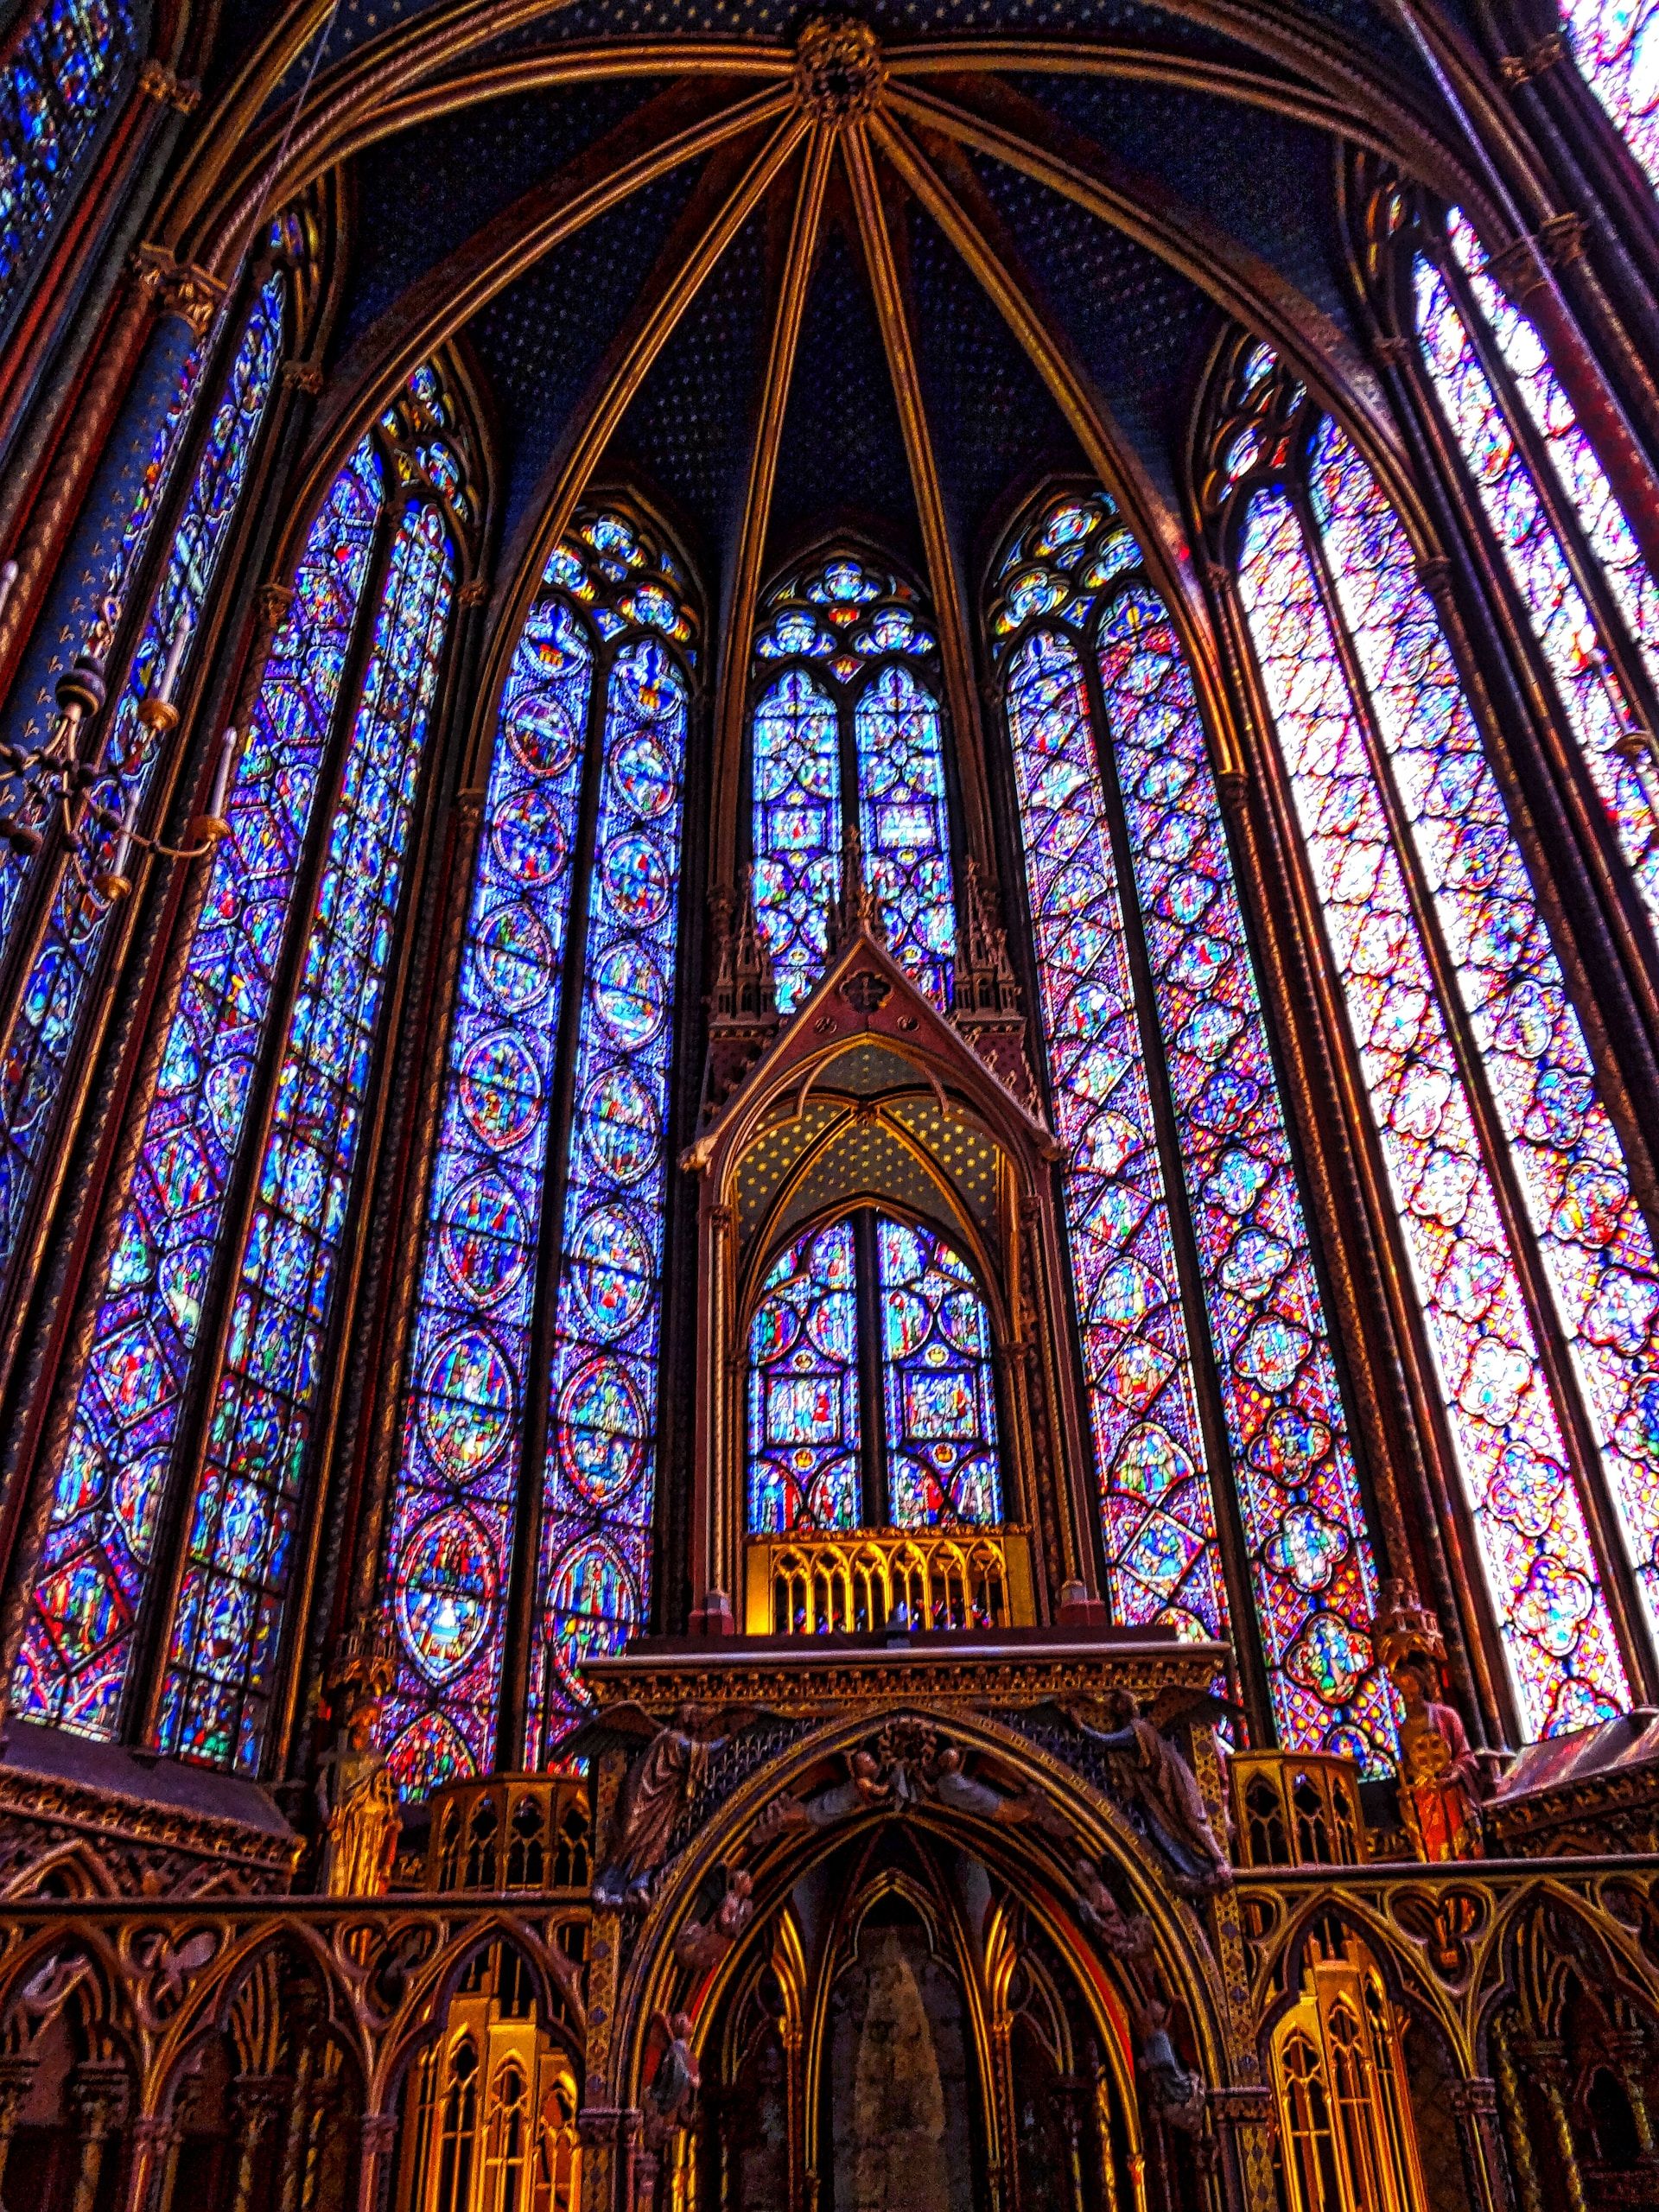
<point x="636" y="881"/>
<point x="466" y="1402"/>
<point x="832" y="1325"/>
<point x="252" y="1424"/>
<point x="630" y="995"/>
<point x="542" y="733"/>
<point x="528" y="833"/>
<point x="774" y="1330"/>
<point x="135" y="1494"/>
<point x="223" y="1622"/>
<point x="485" y="1239"/>
<point x="594" y="1609"/>
<point x="500" y="1088"/>
<point x="645" y="773"/>
<point x="515" y="957"/>
<point x="601" y="1430"/>
<point x="431" y="1751"/>
<point x="906" y="1322"/>
<point x="446" y="1579"/>
<point x="965" y="1321"/>
<point x="614" y="1270"/>
<point x="621" y="1122"/>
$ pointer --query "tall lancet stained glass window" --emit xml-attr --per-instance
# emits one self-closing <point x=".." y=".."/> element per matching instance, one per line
<point x="55" y="992"/>
<point x="846" y="732"/>
<point x="1612" y="44"/>
<point x="226" y="1063"/>
<point x="1579" y="579"/>
<point x="1175" y="1132"/>
<point x="585" y="797"/>
<point x="1515" y="1211"/>
<point x="871" y="1400"/>
<point x="64" y="64"/>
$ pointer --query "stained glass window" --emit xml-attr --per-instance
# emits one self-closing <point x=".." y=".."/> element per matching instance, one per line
<point x="59" y="74"/>
<point x="599" y="1484"/>
<point x="924" y="1450"/>
<point x="595" y="702"/>
<point x="804" y="1434"/>
<point x="1561" y="564"/>
<point x="797" y="827"/>
<point x="463" y="1446"/>
<point x="937" y="1384"/>
<point x="1408" y="753"/>
<point x="237" y="1503"/>
<point x="1073" y="579"/>
<point x="97" y="1551"/>
<point x="243" y="1522"/>
<point x="1612" y="44"/>
<point x="55" y="991"/>
<point x="848" y="729"/>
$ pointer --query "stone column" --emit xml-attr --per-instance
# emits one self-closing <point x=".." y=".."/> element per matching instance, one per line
<point x="1244" y="2117"/>
<point x="155" y="2139"/>
<point x="1546" y="2062"/>
<point x="257" y="2100"/>
<point x="377" y="2135"/>
<point x="16" y="2080"/>
<point x="1474" y="2105"/>
<point x="98" y="2097"/>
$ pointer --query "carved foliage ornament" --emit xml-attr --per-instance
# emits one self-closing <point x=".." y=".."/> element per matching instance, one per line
<point x="839" y="72"/>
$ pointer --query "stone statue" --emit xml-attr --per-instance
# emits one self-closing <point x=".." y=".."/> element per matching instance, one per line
<point x="702" y="1944"/>
<point x="662" y="1781"/>
<point x="1126" y="1935"/>
<point x="1161" y="1786"/>
<point x="675" y="2084"/>
<point x="355" y="1798"/>
<point x="1174" y="2093"/>
<point x="1440" y="1781"/>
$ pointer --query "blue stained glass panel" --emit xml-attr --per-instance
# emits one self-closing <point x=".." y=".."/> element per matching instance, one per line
<point x="803" y="1407"/>
<point x="55" y="988"/>
<point x="55" y="88"/>
<point x="601" y="1476"/>
<point x="936" y="1383"/>
<point x="461" y="1462"/>
<point x="797" y="829"/>
<point x="243" y="1524"/>
<point x="903" y="823"/>
<point x="97" y="1555"/>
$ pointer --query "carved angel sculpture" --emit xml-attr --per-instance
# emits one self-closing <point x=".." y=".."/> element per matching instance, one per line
<point x="1174" y="2093"/>
<point x="1160" y="1784"/>
<point x="676" y="2083"/>
<point x="702" y="1944"/>
<point x="1126" y="1935"/>
<point x="668" y="1773"/>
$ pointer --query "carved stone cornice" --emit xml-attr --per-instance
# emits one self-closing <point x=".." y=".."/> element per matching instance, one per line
<point x="55" y="1810"/>
<point x="800" y="1676"/>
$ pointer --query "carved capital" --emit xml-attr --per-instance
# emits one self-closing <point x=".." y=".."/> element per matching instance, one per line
<point x="1519" y="267"/>
<point x="302" y="376"/>
<point x="275" y="600"/>
<point x="1520" y="69"/>
<point x="98" y="2097"/>
<point x="179" y="288"/>
<point x="1436" y="576"/>
<point x="378" y="2131"/>
<point x="1394" y="352"/>
<point x="1242" y="2104"/>
<point x="475" y="592"/>
<point x="157" y="82"/>
<point x="1562" y="238"/>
